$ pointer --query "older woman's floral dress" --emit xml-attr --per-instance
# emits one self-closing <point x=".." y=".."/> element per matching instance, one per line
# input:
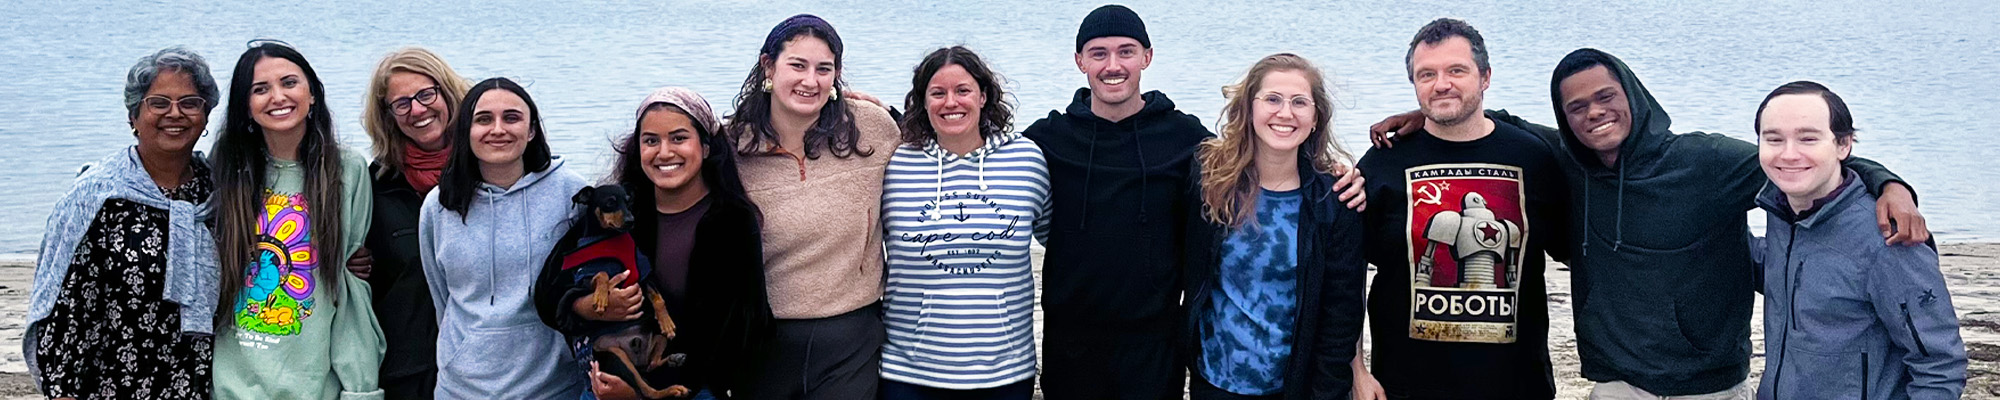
<point x="112" y="335"/>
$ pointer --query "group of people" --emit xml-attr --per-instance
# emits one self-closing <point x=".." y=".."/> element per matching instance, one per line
<point x="815" y="244"/>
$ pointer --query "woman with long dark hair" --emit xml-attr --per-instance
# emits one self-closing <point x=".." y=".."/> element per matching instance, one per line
<point x="291" y="205"/>
<point x="500" y="206"/>
<point x="697" y="226"/>
<point x="813" y="162"/>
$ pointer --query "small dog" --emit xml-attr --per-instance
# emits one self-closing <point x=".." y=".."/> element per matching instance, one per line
<point x="604" y="248"/>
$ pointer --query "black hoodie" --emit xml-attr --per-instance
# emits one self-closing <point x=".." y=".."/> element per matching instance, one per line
<point x="1664" y="279"/>
<point x="1112" y="261"/>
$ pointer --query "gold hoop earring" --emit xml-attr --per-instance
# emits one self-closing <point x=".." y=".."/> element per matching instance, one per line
<point x="767" y="85"/>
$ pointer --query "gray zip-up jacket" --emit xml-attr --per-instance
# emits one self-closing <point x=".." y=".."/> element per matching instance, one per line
<point x="481" y="269"/>
<point x="1848" y="316"/>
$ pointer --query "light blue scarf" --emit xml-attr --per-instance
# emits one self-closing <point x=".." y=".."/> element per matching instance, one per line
<point x="191" y="264"/>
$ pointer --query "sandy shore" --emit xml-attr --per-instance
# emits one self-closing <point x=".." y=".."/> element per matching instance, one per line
<point x="1972" y="270"/>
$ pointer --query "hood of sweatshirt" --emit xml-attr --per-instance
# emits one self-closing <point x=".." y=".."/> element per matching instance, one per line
<point x="1663" y="278"/>
<point x="1115" y="206"/>
<point x="945" y="158"/>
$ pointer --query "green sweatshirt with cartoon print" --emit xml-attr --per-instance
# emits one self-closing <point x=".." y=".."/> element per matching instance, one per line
<point x="290" y="335"/>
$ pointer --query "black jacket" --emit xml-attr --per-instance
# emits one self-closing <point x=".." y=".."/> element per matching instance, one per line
<point x="1116" y="209"/>
<point x="402" y="299"/>
<point x="726" y="323"/>
<point x="1332" y="282"/>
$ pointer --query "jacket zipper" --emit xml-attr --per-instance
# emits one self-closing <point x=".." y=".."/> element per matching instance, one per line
<point x="1792" y="294"/>
<point x="1912" y="324"/>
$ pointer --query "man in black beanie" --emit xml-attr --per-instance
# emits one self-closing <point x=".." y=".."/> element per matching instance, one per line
<point x="1118" y="161"/>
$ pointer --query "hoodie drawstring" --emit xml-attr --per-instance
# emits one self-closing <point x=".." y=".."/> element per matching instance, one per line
<point x="1618" y="225"/>
<point x="1089" y="169"/>
<point x="1143" y="174"/>
<point x="938" y="199"/>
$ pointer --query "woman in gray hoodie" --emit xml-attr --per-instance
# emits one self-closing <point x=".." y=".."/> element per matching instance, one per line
<point x="502" y="203"/>
<point x="1845" y="315"/>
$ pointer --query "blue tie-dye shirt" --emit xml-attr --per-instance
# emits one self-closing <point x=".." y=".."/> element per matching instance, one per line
<point x="1247" y="334"/>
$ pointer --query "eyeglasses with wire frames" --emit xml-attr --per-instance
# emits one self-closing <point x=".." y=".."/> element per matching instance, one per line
<point x="1298" y="103"/>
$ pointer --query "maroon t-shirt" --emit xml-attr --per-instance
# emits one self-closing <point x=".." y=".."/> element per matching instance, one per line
<point x="676" y="244"/>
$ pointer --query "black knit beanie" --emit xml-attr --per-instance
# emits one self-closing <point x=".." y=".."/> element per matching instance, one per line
<point x="1112" y="20"/>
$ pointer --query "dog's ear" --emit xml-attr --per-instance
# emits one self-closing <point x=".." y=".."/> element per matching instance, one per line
<point x="583" y="195"/>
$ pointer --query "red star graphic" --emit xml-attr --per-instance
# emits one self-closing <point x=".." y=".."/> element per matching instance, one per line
<point x="1491" y="233"/>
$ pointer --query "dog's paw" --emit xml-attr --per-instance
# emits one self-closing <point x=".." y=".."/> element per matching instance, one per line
<point x="678" y="391"/>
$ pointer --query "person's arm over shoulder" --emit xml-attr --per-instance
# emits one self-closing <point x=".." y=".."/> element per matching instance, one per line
<point x="879" y="131"/>
<point x="1875" y="177"/>
<point x="1913" y="304"/>
<point x="1550" y="136"/>
<point x="1343" y="296"/>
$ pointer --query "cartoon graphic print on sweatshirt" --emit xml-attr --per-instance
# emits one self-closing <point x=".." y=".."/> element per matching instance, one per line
<point x="963" y="206"/>
<point x="1466" y="233"/>
<point x="277" y="295"/>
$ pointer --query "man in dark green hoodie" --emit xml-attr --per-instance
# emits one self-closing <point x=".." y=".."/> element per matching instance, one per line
<point x="1664" y="279"/>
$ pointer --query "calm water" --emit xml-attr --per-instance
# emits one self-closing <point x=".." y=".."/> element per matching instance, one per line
<point x="1918" y="77"/>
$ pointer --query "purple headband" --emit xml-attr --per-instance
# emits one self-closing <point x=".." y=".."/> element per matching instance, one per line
<point x="792" y="26"/>
<point x="689" y="101"/>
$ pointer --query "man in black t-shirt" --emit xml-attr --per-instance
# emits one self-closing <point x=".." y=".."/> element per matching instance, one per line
<point x="1464" y="212"/>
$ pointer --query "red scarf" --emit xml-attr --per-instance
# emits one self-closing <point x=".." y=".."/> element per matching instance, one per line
<point x="421" y="168"/>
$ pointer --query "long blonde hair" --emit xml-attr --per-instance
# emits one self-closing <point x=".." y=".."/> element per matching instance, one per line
<point x="384" y="137"/>
<point x="1228" y="178"/>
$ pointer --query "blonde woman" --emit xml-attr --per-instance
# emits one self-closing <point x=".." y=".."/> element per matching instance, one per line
<point x="406" y="112"/>
<point x="1274" y="258"/>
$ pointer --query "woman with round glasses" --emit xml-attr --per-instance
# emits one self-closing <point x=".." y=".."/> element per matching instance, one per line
<point x="406" y="111"/>
<point x="124" y="294"/>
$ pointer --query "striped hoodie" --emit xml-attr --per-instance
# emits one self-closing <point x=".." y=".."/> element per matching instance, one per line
<point x="960" y="294"/>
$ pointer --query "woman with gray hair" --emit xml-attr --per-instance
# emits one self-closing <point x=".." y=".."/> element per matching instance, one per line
<point x="134" y="318"/>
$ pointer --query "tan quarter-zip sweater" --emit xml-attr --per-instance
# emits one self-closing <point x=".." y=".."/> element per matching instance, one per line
<point x="822" y="221"/>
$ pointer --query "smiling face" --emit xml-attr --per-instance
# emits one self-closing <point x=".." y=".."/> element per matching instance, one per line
<point x="1798" y="148"/>
<point x="802" y="76"/>
<point x="1450" y="86"/>
<point x="500" y="130"/>
<point x="1282" y="113"/>
<point x="425" y="123"/>
<point x="177" y="129"/>
<point x="279" y="96"/>
<point x="1113" y="64"/>
<point x="670" y="150"/>
<point x="1594" y="104"/>
<point x="954" y="102"/>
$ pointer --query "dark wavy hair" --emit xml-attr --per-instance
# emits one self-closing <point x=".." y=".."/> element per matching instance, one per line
<point x="240" y="160"/>
<point x="996" y="116"/>
<point x="834" y="131"/>
<point x="459" y="182"/>
<point x="718" y="169"/>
